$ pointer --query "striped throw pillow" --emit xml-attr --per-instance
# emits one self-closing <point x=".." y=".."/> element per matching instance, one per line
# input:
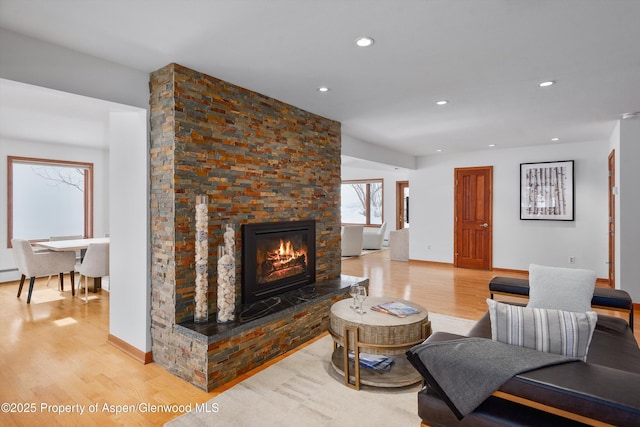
<point x="552" y="331"/>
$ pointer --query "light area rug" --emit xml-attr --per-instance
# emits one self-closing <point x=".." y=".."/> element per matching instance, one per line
<point x="304" y="390"/>
<point x="366" y="252"/>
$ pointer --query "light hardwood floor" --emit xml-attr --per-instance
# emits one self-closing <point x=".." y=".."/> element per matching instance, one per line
<point x="55" y="351"/>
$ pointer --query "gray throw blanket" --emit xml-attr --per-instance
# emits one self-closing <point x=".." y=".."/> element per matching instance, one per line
<point x="467" y="371"/>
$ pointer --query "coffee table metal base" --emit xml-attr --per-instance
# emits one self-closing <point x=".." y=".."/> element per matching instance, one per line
<point x="402" y="373"/>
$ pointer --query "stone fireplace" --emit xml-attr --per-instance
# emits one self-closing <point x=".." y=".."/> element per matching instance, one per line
<point x="277" y="257"/>
<point x="259" y="160"/>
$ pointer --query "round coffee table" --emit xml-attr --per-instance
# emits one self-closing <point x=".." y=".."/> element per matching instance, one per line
<point x="376" y="333"/>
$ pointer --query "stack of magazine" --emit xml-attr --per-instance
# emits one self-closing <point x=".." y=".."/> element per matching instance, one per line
<point x="374" y="361"/>
<point x="396" y="308"/>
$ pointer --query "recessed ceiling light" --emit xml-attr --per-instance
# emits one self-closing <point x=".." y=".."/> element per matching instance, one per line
<point x="439" y="150"/>
<point x="323" y="89"/>
<point x="442" y="102"/>
<point x="547" y="83"/>
<point x="492" y="145"/>
<point x="555" y="139"/>
<point x="364" y="41"/>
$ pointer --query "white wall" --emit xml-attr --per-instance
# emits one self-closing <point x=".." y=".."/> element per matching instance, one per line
<point x="362" y="150"/>
<point x="36" y="62"/>
<point x="129" y="260"/>
<point x="626" y="141"/>
<point x="389" y="187"/>
<point x="100" y="160"/>
<point x="516" y="243"/>
<point x="40" y="63"/>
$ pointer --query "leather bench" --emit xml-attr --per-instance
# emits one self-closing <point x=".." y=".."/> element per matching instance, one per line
<point x="605" y="298"/>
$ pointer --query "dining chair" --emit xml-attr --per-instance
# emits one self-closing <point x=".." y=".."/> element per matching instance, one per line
<point x="58" y="238"/>
<point x="38" y="264"/>
<point x="94" y="264"/>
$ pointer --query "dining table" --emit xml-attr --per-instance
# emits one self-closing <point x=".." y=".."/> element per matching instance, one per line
<point x="75" y="245"/>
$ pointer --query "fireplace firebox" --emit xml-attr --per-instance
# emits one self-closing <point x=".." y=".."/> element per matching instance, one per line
<point x="277" y="257"/>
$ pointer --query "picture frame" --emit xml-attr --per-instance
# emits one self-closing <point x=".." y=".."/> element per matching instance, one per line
<point x="547" y="191"/>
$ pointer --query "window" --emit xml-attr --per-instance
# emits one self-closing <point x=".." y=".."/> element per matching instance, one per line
<point x="362" y="202"/>
<point x="49" y="198"/>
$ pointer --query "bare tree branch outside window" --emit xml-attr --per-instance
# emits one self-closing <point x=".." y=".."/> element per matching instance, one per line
<point x="73" y="177"/>
<point x="362" y="202"/>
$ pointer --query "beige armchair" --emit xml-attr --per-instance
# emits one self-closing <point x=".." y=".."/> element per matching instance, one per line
<point x="94" y="264"/>
<point x="38" y="264"/>
<point x="374" y="236"/>
<point x="351" y="236"/>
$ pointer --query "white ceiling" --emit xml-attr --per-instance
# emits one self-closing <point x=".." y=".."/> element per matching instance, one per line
<point x="486" y="57"/>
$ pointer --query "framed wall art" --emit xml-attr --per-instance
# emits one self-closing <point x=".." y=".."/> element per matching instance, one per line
<point x="546" y="191"/>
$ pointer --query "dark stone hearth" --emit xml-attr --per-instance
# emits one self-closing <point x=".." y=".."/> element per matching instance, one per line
<point x="261" y="312"/>
<point x="235" y="348"/>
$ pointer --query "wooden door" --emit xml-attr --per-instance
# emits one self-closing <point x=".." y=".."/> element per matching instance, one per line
<point x="473" y="217"/>
<point x="612" y="219"/>
<point x="402" y="204"/>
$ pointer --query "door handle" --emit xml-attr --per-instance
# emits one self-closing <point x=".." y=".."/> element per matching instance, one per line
<point x="485" y="225"/>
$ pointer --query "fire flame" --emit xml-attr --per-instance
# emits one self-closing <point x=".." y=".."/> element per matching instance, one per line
<point x="282" y="261"/>
<point x="286" y="250"/>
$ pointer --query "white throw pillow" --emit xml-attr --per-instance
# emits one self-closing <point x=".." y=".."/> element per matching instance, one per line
<point x="552" y="331"/>
<point x="568" y="289"/>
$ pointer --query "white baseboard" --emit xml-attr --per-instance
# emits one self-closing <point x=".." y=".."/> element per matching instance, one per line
<point x="9" y="275"/>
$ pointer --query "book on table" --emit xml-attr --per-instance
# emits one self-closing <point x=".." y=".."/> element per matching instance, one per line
<point x="395" y="308"/>
<point x="374" y="361"/>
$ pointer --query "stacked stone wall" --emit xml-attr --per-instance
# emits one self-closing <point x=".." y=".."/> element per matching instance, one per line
<point x="258" y="159"/>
